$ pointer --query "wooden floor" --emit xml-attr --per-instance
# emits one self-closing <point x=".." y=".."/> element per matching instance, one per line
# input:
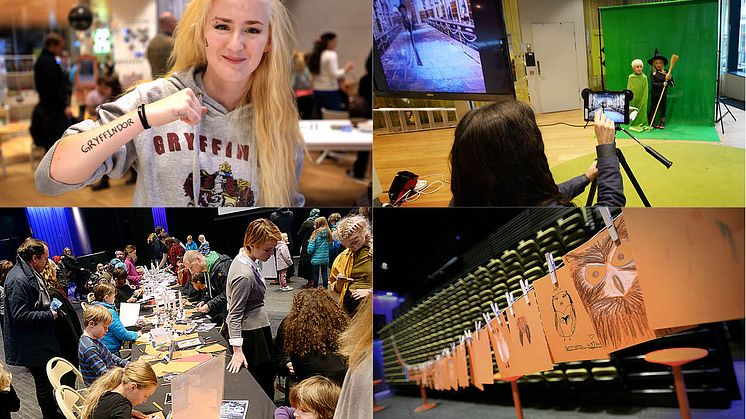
<point x="323" y="185"/>
<point x="426" y="152"/>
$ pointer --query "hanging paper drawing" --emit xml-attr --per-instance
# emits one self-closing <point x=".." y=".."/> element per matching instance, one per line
<point x="523" y="330"/>
<point x="564" y="313"/>
<point x="605" y="276"/>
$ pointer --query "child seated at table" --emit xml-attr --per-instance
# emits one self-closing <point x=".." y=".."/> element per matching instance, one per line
<point x="104" y="295"/>
<point x="114" y="394"/>
<point x="313" y="398"/>
<point x="93" y="356"/>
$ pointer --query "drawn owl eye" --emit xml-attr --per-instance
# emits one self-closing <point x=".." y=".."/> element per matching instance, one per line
<point x="621" y="256"/>
<point x="595" y="273"/>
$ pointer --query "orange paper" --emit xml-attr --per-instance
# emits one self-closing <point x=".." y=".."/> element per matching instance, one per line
<point x="528" y="346"/>
<point x="567" y="326"/>
<point x="497" y="332"/>
<point x="483" y="359"/>
<point x="452" y="374"/>
<point x="461" y="366"/>
<point x="605" y="277"/>
<point x="691" y="263"/>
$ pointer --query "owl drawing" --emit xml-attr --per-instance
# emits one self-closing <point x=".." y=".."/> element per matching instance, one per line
<point x="523" y="330"/>
<point x="605" y="276"/>
<point x="564" y="314"/>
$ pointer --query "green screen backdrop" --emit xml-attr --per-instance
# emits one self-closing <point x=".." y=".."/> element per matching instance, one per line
<point x="687" y="28"/>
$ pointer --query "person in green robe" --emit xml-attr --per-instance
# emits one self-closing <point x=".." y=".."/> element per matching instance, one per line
<point x="638" y="107"/>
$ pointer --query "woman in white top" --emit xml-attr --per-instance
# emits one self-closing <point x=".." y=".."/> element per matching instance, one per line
<point x="324" y="67"/>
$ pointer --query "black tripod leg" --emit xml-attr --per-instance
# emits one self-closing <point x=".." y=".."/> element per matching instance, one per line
<point x="591" y="193"/>
<point x="632" y="178"/>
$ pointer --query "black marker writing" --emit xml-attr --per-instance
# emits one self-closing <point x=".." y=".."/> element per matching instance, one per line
<point x="88" y="146"/>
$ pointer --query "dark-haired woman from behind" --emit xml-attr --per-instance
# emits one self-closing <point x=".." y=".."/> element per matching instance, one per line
<point x="308" y="338"/>
<point x="498" y="159"/>
<point x="324" y="66"/>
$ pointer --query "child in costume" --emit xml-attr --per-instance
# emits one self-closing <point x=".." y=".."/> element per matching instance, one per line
<point x="637" y="82"/>
<point x="658" y="80"/>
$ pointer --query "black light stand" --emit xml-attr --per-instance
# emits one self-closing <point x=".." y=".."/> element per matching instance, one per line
<point x="719" y="115"/>
<point x="628" y="170"/>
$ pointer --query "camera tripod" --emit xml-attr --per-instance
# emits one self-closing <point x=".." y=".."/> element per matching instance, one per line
<point x="628" y="171"/>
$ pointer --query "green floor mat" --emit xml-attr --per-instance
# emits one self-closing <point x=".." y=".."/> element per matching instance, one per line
<point x="677" y="132"/>
<point x="703" y="175"/>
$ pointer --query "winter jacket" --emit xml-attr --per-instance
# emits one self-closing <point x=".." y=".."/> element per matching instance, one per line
<point x="29" y="330"/>
<point x="173" y="159"/>
<point x="282" y="256"/>
<point x="215" y="295"/>
<point x="67" y="327"/>
<point x="117" y="333"/>
<point x="318" y="248"/>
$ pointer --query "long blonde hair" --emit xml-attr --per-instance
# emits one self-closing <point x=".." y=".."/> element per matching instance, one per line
<point x="356" y="342"/>
<point x="6" y="378"/>
<point x="320" y="224"/>
<point x="138" y="372"/>
<point x="275" y="123"/>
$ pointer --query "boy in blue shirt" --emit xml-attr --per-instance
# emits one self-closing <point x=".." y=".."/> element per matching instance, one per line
<point x="93" y="357"/>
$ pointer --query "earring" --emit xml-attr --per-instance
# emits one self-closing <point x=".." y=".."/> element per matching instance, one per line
<point x="206" y="44"/>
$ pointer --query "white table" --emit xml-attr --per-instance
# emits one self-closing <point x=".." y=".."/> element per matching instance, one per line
<point x="320" y="135"/>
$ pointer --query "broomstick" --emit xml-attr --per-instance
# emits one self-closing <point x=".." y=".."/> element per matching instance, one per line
<point x="674" y="59"/>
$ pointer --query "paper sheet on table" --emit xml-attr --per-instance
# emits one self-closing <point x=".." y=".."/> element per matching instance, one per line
<point x="153" y="351"/>
<point x="195" y="358"/>
<point x="149" y="358"/>
<point x="143" y="339"/>
<point x="568" y="327"/>
<point x="128" y="313"/>
<point x="691" y="263"/>
<point x="184" y="354"/>
<point x="215" y="347"/>
<point x="189" y="336"/>
<point x="182" y="327"/>
<point x="606" y="279"/>
<point x="156" y="415"/>
<point x="175" y="367"/>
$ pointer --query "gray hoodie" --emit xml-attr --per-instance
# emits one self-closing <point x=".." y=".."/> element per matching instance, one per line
<point x="167" y="157"/>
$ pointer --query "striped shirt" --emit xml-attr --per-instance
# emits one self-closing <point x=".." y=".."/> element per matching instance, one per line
<point x="95" y="359"/>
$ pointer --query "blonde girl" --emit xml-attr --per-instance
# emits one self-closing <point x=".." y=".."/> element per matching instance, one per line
<point x="221" y="130"/>
<point x="313" y="398"/>
<point x="9" y="401"/>
<point x="114" y="393"/>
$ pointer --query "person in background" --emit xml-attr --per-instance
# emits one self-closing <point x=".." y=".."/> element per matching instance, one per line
<point x="319" y="245"/>
<point x="302" y="85"/>
<point x="94" y="357"/>
<point x="324" y="67"/>
<point x="125" y="293"/>
<point x="175" y="251"/>
<point x="5" y="266"/>
<point x="114" y="394"/>
<point x="352" y="271"/>
<point x="52" y="114"/>
<point x="363" y="108"/>
<point x="190" y="244"/>
<point x="29" y="322"/>
<point x="76" y="274"/>
<point x="204" y="245"/>
<point x="160" y="47"/>
<point x="313" y="398"/>
<point x="107" y="90"/>
<point x="356" y="343"/>
<point x="105" y="296"/>
<point x="133" y="276"/>
<point x="304" y="263"/>
<point x="9" y="401"/>
<point x="283" y="261"/>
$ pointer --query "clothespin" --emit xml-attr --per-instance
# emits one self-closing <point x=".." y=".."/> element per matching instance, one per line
<point x="453" y="347"/>
<point x="461" y="339"/>
<point x="487" y="320"/>
<point x="524" y="288"/>
<point x="496" y="310"/>
<point x="552" y="268"/>
<point x="467" y="334"/>
<point x="477" y="325"/>
<point x="606" y="215"/>
<point x="511" y="300"/>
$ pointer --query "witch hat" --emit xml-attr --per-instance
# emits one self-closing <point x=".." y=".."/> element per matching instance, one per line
<point x="658" y="56"/>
